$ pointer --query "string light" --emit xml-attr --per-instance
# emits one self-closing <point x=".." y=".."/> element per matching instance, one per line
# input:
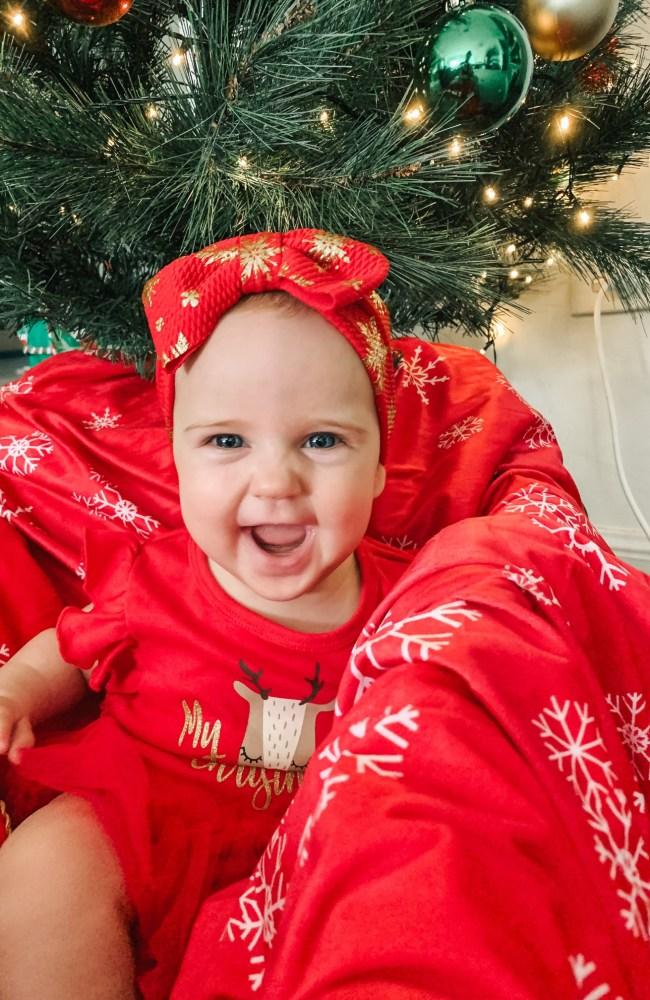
<point x="528" y="202"/>
<point x="550" y="261"/>
<point x="528" y="279"/>
<point x="152" y="112"/>
<point x="455" y="147"/>
<point x="514" y="273"/>
<point x="413" y="114"/>
<point x="564" y="123"/>
<point x="499" y="329"/>
<point x="490" y="193"/>
<point x="511" y="249"/>
<point x="17" y="19"/>
<point x="584" y="217"/>
<point x="325" y="118"/>
<point x="177" y="57"/>
<point x="243" y="162"/>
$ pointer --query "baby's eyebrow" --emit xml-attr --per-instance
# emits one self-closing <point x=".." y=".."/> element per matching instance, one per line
<point x="315" y="424"/>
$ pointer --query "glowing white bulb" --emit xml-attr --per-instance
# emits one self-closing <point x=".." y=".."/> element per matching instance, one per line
<point x="528" y="279"/>
<point x="413" y="113"/>
<point x="455" y="147"/>
<point x="152" y="112"/>
<point x="511" y="249"/>
<point x="564" y="123"/>
<point x="243" y="162"/>
<point x="528" y="202"/>
<point x="177" y="57"/>
<point x="584" y="217"/>
<point x="325" y="117"/>
<point x="550" y="261"/>
<point x="499" y="329"/>
<point x="17" y="19"/>
<point x="514" y="273"/>
<point x="490" y="193"/>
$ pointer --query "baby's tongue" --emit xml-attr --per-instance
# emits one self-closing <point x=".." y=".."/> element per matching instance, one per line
<point x="280" y="535"/>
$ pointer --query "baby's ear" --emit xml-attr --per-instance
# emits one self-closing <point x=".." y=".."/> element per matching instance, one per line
<point x="380" y="480"/>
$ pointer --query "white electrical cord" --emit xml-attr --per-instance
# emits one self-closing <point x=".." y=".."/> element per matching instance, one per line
<point x="611" y="409"/>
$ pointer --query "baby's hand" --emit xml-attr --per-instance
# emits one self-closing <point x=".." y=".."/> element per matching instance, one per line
<point x="15" y="730"/>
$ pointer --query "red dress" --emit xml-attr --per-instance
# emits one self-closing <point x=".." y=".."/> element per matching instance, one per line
<point x="209" y="718"/>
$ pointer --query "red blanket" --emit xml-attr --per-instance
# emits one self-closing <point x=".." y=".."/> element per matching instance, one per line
<point x="475" y="824"/>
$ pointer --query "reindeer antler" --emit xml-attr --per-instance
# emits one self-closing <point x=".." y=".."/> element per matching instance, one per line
<point x="255" y="679"/>
<point x="316" y="685"/>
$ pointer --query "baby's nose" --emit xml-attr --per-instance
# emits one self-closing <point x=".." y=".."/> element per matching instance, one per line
<point x="275" y="477"/>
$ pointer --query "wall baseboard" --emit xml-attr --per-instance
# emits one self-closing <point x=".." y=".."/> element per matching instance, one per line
<point x="628" y="543"/>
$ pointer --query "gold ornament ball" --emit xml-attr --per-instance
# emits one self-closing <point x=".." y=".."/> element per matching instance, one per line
<point x="567" y="29"/>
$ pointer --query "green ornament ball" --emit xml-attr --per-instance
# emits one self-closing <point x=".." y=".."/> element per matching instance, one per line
<point x="476" y="68"/>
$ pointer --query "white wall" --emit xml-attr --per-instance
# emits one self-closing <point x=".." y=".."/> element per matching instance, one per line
<point x="550" y="356"/>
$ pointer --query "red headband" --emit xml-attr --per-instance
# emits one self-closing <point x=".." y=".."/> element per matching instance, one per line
<point x="334" y="275"/>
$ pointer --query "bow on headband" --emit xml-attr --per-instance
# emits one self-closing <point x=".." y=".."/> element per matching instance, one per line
<point x="334" y="275"/>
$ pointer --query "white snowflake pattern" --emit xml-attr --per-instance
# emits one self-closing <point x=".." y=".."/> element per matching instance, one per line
<point x="109" y="504"/>
<point x="414" y="373"/>
<point x="410" y="639"/>
<point x="532" y="582"/>
<point x="575" y="744"/>
<point x="103" y="421"/>
<point x="558" y="516"/>
<point x="540" y="435"/>
<point x="392" y="728"/>
<point x="461" y="431"/>
<point x="80" y="571"/>
<point x="21" y="455"/>
<point x="5" y="653"/>
<point x="259" y="908"/>
<point x="629" y="709"/>
<point x="10" y="512"/>
<point x="584" y="970"/>
<point x="403" y="542"/>
<point x="502" y="380"/>
<point x="21" y="387"/>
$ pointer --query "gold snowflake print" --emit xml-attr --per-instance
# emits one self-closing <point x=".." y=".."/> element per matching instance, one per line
<point x="392" y="413"/>
<point x="255" y="255"/>
<point x="375" y="359"/>
<point x="296" y="278"/>
<point x="329" y="247"/>
<point x="212" y="256"/>
<point x="176" y="351"/>
<point x="378" y="303"/>
<point x="149" y="289"/>
<point x="355" y="283"/>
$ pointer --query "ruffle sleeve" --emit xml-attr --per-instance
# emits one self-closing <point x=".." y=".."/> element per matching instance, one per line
<point x="96" y="639"/>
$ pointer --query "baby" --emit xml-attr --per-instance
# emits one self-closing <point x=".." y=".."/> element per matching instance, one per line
<point x="218" y="647"/>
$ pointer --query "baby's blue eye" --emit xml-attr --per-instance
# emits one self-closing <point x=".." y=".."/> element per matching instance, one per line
<point x="227" y="441"/>
<point x="322" y="439"/>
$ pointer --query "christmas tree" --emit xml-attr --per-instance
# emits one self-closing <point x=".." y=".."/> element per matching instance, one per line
<point x="155" y="128"/>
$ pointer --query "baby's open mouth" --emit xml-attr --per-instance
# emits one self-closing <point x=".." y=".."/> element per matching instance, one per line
<point x="278" y="539"/>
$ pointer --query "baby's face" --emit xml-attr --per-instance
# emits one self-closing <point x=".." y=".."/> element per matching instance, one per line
<point x="276" y="443"/>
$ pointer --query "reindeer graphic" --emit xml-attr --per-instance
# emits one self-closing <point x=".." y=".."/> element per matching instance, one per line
<point x="281" y="732"/>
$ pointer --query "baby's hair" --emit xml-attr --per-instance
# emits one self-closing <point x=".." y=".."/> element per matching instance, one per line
<point x="282" y="300"/>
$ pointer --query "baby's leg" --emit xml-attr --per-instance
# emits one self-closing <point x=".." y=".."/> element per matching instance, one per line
<point x="64" y="914"/>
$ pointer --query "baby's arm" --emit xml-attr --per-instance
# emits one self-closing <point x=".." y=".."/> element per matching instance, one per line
<point x="35" y="684"/>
